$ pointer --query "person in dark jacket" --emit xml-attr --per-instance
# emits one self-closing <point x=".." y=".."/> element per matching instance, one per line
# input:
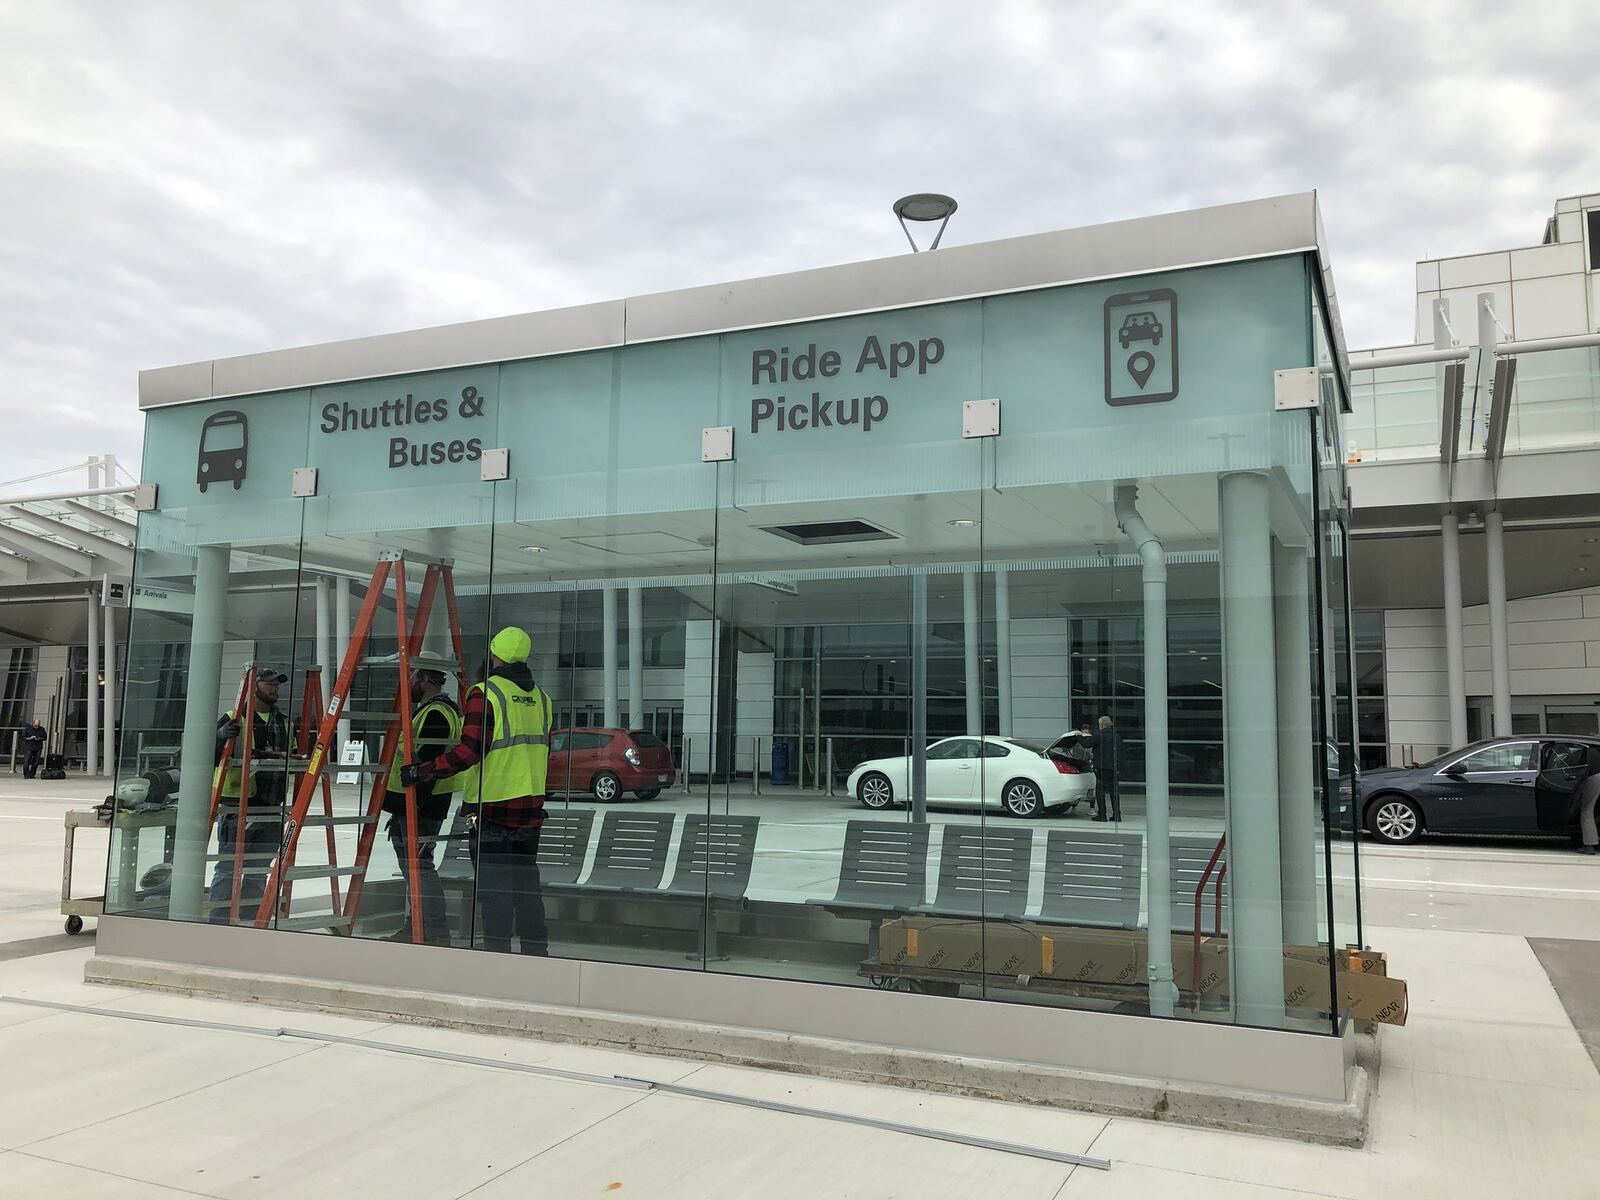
<point x="33" y="740"/>
<point x="1588" y="794"/>
<point x="269" y="751"/>
<point x="1107" y="771"/>
<point x="435" y="727"/>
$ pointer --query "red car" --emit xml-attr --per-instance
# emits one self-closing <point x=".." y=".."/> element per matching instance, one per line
<point x="609" y="762"/>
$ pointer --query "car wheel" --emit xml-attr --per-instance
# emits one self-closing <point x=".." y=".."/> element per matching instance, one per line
<point x="605" y="786"/>
<point x="1021" y="799"/>
<point x="1395" y="820"/>
<point x="648" y="793"/>
<point x="875" y="791"/>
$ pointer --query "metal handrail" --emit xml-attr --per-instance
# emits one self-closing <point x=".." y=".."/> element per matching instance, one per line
<point x="1199" y="901"/>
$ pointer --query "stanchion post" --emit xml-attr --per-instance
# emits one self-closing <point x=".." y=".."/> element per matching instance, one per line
<point x="683" y="775"/>
<point x="755" y="767"/>
<point x="830" y="767"/>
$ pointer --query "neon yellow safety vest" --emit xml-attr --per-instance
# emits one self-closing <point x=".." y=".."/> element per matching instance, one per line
<point x="517" y="760"/>
<point x="452" y="716"/>
<point x="230" y="781"/>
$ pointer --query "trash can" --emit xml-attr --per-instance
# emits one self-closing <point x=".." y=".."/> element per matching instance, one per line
<point x="780" y="763"/>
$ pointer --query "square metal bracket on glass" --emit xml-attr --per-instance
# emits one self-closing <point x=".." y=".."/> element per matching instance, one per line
<point x="716" y="443"/>
<point x="1295" y="388"/>
<point x="144" y="498"/>
<point x="980" y="418"/>
<point x="494" y="465"/>
<point x="304" y="482"/>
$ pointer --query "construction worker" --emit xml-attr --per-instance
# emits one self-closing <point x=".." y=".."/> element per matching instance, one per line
<point x="269" y="752"/>
<point x="503" y="757"/>
<point x="435" y="727"/>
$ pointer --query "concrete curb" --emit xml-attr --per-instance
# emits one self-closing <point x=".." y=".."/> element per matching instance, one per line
<point x="994" y="1079"/>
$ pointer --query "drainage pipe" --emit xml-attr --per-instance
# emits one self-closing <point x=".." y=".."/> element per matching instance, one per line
<point x="1157" y="840"/>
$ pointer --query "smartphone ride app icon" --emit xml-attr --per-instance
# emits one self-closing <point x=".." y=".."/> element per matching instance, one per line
<point x="1141" y="338"/>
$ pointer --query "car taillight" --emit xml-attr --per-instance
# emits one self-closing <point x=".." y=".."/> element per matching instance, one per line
<point x="1064" y="767"/>
<point x="632" y="755"/>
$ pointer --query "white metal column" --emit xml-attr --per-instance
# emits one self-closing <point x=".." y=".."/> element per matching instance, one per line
<point x="1454" y="662"/>
<point x="636" y="717"/>
<point x="109" y="723"/>
<point x="324" y="649"/>
<point x="201" y="706"/>
<point x="1299" y="781"/>
<point x="1002" y="646"/>
<point x="341" y="643"/>
<point x="1250" y="746"/>
<point x="91" y="683"/>
<point x="971" y="633"/>
<point x="609" y="654"/>
<point x="1499" y="650"/>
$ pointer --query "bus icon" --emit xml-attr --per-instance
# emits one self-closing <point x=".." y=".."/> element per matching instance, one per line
<point x="224" y="449"/>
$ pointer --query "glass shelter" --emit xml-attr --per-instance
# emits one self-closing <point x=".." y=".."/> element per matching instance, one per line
<point x="821" y="576"/>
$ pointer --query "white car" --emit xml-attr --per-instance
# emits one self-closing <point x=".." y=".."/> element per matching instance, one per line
<point x="1024" y="779"/>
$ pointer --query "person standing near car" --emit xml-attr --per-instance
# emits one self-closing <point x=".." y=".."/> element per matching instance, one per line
<point x="436" y="725"/>
<point x="1107" y="771"/>
<point x="33" y="740"/>
<point x="1588" y="794"/>
<point x="503" y="757"/>
<point x="269" y="752"/>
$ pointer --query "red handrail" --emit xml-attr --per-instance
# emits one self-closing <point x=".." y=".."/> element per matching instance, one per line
<point x="1199" y="900"/>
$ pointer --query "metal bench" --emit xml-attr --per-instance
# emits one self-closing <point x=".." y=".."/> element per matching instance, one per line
<point x="715" y="857"/>
<point x="1190" y="856"/>
<point x="563" y="845"/>
<point x="883" y="872"/>
<point x="983" y="872"/>
<point x="631" y="855"/>
<point x="1092" y="878"/>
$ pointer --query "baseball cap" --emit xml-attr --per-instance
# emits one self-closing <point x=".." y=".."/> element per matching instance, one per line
<point x="270" y="675"/>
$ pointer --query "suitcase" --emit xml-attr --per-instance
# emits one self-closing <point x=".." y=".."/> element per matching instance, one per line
<point x="55" y="767"/>
<point x="52" y="773"/>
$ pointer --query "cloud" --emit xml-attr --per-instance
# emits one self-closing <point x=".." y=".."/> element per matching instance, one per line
<point x="182" y="181"/>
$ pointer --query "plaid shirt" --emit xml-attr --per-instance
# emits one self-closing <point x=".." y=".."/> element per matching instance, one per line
<point x="477" y="729"/>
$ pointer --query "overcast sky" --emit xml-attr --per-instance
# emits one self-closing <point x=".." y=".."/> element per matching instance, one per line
<point x="183" y="179"/>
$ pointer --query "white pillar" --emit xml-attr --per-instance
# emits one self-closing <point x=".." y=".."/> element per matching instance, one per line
<point x="1299" y="781"/>
<point x="1455" y="666"/>
<point x="1002" y="647"/>
<point x="1250" y="747"/>
<point x="91" y="764"/>
<point x="1499" y="650"/>
<point x="972" y="633"/>
<point x="636" y="656"/>
<point x="341" y="646"/>
<point x="324" y="648"/>
<point x="201" y="706"/>
<point x="609" y="653"/>
<point x="108" y="470"/>
<point x="109" y="652"/>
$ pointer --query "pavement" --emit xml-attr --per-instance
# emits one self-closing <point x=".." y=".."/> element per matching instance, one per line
<point x="1488" y="1091"/>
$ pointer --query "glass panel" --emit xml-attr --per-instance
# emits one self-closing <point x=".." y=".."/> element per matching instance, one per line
<point x="1515" y="756"/>
<point x="1555" y="401"/>
<point x="197" y="823"/>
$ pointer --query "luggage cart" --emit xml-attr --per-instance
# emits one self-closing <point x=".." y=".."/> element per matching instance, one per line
<point x="75" y="909"/>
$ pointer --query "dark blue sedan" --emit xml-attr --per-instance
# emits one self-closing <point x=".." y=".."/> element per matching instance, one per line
<point x="1511" y="786"/>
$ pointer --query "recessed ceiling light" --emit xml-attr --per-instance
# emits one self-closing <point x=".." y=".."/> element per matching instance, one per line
<point x="1591" y="540"/>
<point x="1580" y="568"/>
<point x="534" y="549"/>
<point x="962" y="522"/>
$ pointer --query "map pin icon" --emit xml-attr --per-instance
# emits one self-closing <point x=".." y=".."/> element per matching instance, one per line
<point x="1140" y="366"/>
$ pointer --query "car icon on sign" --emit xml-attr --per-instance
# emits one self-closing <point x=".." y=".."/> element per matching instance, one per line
<point x="1140" y="327"/>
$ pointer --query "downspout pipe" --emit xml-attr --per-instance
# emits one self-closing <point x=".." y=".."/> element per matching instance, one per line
<point x="1158" y="839"/>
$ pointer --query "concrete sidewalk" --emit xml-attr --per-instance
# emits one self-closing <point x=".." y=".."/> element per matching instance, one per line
<point x="1487" y="1092"/>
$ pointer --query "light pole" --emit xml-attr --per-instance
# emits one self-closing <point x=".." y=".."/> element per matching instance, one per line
<point x="924" y="206"/>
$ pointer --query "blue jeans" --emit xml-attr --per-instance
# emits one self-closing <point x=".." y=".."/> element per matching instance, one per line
<point x="509" y="894"/>
<point x="260" y="838"/>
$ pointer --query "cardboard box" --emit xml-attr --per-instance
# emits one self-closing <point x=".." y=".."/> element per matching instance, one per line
<point x="1120" y="956"/>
